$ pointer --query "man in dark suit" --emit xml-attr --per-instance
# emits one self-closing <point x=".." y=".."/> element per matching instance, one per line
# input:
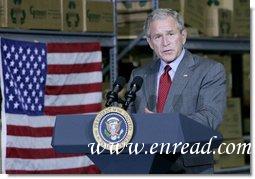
<point x="181" y="82"/>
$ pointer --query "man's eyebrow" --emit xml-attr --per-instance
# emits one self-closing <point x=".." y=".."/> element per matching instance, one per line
<point x="169" y="31"/>
<point x="156" y="34"/>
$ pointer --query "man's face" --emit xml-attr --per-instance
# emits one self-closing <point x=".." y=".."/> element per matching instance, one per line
<point x="166" y="39"/>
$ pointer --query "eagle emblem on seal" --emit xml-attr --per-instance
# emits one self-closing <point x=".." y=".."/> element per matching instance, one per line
<point x="113" y="130"/>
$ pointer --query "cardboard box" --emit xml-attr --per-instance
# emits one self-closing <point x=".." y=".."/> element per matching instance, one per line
<point x="130" y="29"/>
<point x="44" y="14"/>
<point x="141" y="59"/>
<point x="133" y="17"/>
<point x="194" y="14"/>
<point x="246" y="79"/>
<point x="89" y="16"/>
<point x="131" y="24"/>
<point x="3" y="9"/>
<point x="192" y="32"/>
<point x="136" y="6"/>
<point x="225" y="4"/>
<point x="241" y="18"/>
<point x="230" y="160"/>
<point x="31" y="14"/>
<point x="13" y="14"/>
<point x="226" y="61"/>
<point x="231" y="126"/>
<point x="218" y="22"/>
<point x="172" y="4"/>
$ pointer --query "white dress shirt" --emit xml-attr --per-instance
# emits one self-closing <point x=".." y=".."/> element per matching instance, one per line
<point x="174" y="65"/>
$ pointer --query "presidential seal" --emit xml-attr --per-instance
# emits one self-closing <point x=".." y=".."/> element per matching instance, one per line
<point x="113" y="128"/>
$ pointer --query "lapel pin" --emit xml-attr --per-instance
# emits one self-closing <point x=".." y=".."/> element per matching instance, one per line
<point x="185" y="75"/>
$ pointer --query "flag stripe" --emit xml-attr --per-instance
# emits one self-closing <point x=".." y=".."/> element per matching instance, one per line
<point x="72" y="47"/>
<point x="43" y="164"/>
<point x="29" y="142"/>
<point x="35" y="121"/>
<point x="79" y="68"/>
<point x="73" y="99"/>
<point x="58" y="110"/>
<point x="92" y="169"/>
<point x="36" y="153"/>
<point x="74" y="79"/>
<point x="29" y="131"/>
<point x="74" y="58"/>
<point x="73" y="89"/>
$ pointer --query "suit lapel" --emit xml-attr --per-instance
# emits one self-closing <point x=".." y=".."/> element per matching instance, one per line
<point x="151" y="84"/>
<point x="181" y="78"/>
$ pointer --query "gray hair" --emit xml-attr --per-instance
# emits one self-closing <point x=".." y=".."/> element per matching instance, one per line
<point x="159" y="14"/>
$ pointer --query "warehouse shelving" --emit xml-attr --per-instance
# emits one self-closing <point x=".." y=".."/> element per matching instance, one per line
<point x="105" y="39"/>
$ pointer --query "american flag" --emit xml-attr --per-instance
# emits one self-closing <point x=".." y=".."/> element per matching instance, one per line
<point x="38" y="82"/>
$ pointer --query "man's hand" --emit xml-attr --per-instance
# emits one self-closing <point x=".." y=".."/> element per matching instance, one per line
<point x="146" y="110"/>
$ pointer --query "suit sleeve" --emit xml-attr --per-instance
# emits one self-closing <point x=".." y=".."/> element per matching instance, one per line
<point x="212" y="98"/>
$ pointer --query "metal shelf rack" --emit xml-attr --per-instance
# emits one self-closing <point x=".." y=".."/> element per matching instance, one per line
<point x="105" y="39"/>
<point x="198" y="43"/>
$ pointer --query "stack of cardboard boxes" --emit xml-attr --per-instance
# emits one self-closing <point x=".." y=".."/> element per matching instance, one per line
<point x="218" y="19"/>
<point x="241" y="18"/>
<point x="131" y="17"/>
<point x="66" y="15"/>
<point x="87" y="16"/>
<point x="30" y="14"/>
<point x="204" y="17"/>
<point x="210" y="18"/>
<point x="215" y="17"/>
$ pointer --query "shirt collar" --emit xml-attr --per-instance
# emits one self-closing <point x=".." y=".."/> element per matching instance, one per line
<point x="174" y="64"/>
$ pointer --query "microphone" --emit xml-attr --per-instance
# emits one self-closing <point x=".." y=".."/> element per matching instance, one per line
<point x="112" y="96"/>
<point x="135" y="86"/>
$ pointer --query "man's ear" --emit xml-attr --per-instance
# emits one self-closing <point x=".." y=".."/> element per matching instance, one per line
<point x="184" y="36"/>
<point x="149" y="42"/>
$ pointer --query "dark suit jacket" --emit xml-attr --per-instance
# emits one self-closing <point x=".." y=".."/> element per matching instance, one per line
<point x="198" y="91"/>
